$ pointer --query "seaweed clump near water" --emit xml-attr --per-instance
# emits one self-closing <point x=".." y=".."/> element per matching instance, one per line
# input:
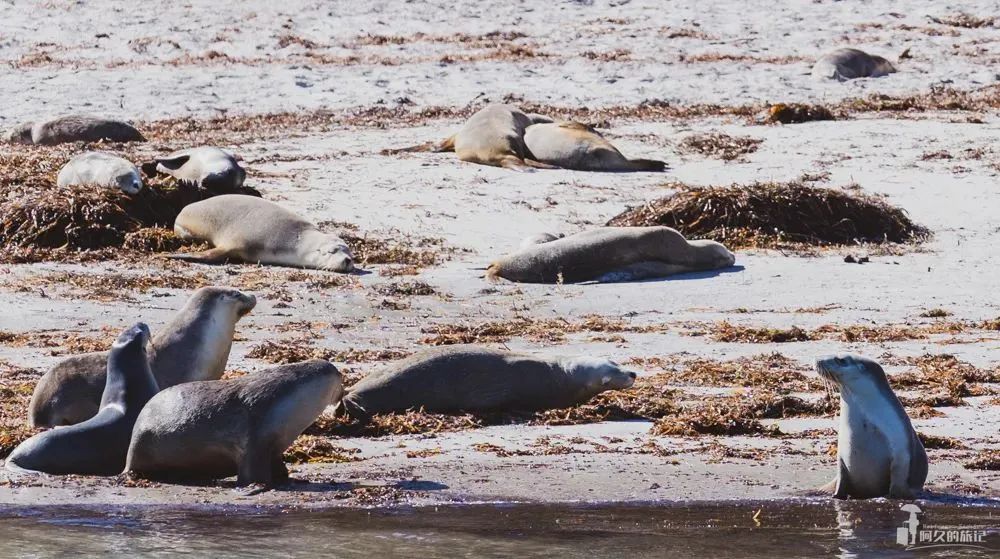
<point x="777" y="215"/>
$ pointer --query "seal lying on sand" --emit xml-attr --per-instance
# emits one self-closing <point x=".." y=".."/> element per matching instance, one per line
<point x="97" y="446"/>
<point x="214" y="429"/>
<point x="249" y="229"/>
<point x="74" y="128"/>
<point x="493" y="136"/>
<point x="469" y="378"/>
<point x="572" y="145"/>
<point x="612" y="254"/>
<point x="194" y="345"/>
<point x="848" y="64"/>
<point x="208" y="167"/>
<point x="878" y="452"/>
<point x="102" y="169"/>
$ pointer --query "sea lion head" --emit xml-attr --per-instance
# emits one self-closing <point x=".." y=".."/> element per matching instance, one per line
<point x="129" y="182"/>
<point x="229" y="179"/>
<point x="234" y="300"/>
<point x="714" y="254"/>
<point x="134" y="339"/>
<point x="853" y="374"/>
<point x="598" y="374"/>
<point x="20" y="134"/>
<point x="335" y="256"/>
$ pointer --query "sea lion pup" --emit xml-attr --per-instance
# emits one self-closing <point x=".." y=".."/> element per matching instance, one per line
<point x="194" y="345"/>
<point x="214" y="429"/>
<point x="97" y="446"/>
<point x="250" y="229"/>
<point x="848" y="64"/>
<point x="493" y="136"/>
<point x="573" y="145"/>
<point x="102" y="169"/>
<point x="208" y="167"/>
<point x="74" y="128"/>
<point x="611" y="254"/>
<point x="467" y="378"/>
<point x="878" y="452"/>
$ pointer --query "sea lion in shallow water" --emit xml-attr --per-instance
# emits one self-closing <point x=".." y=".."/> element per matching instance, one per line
<point x="194" y="345"/>
<point x="97" y="446"/>
<point x="878" y="452"/>
<point x="466" y="378"/>
<point x="848" y="64"/>
<point x="215" y="429"/>
<point x="250" y="229"/>
<point x="74" y="128"/>
<point x="103" y="169"/>
<point x="572" y="145"/>
<point x="612" y="254"/>
<point x="208" y="167"/>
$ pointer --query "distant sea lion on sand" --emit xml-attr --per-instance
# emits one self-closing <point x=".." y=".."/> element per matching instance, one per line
<point x="214" y="429"/>
<point x="253" y="230"/>
<point x="102" y="169"/>
<point x="612" y="254"/>
<point x="878" y="452"/>
<point x="194" y="345"/>
<point x="466" y="378"/>
<point x="74" y="128"/>
<point x="208" y="167"/>
<point x="848" y="64"/>
<point x="97" y="446"/>
<point x="572" y="145"/>
<point x="492" y="136"/>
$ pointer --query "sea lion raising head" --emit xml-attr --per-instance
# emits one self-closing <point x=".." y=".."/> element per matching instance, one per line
<point x="878" y="452"/>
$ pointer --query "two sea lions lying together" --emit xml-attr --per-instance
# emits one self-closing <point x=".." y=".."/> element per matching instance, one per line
<point x="610" y="254"/>
<point x="504" y="136"/>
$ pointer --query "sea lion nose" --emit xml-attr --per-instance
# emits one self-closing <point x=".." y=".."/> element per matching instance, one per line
<point x="631" y="374"/>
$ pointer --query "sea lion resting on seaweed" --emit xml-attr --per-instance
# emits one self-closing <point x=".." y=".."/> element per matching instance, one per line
<point x="73" y="128"/>
<point x="467" y="378"/>
<point x="99" y="445"/>
<point x="194" y="345"/>
<point x="878" y="452"/>
<point x="103" y="169"/>
<point x="612" y="254"/>
<point x="253" y="230"/>
<point x="208" y="167"/>
<point x="215" y="429"/>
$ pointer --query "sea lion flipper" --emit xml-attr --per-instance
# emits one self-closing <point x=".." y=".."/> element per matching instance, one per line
<point x="445" y="145"/>
<point x="257" y="464"/>
<point x="841" y="488"/>
<point x="173" y="163"/>
<point x="210" y="256"/>
<point x="899" y="476"/>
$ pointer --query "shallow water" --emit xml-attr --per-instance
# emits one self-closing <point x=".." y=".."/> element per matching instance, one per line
<point x="781" y="529"/>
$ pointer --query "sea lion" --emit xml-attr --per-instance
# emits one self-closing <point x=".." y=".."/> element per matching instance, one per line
<point x="467" y="378"/>
<point x="250" y="229"/>
<point x="848" y="64"/>
<point x="493" y="136"/>
<point x="74" y="128"/>
<point x="194" y="345"/>
<point x="102" y="169"/>
<point x="878" y="452"/>
<point x="97" y="446"/>
<point x="573" y="145"/>
<point x="611" y="254"/>
<point x="208" y="167"/>
<point x="217" y="428"/>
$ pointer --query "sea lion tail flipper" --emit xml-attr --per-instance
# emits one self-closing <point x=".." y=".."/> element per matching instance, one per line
<point x="447" y="145"/>
<point x="538" y="164"/>
<point x="210" y="256"/>
<point x="173" y="163"/>
<point x="651" y="165"/>
<point x="434" y="147"/>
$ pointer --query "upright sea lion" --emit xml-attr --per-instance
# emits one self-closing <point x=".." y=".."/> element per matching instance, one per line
<point x="214" y="429"/>
<point x="612" y="254"/>
<point x="878" y="452"/>
<point x="208" y="167"/>
<point x="493" y="136"/>
<point x="102" y="169"/>
<point x="74" y="128"/>
<point x="194" y="345"/>
<point x="249" y="229"/>
<point x="848" y="64"/>
<point x="466" y="378"/>
<point x="572" y="145"/>
<point x="97" y="446"/>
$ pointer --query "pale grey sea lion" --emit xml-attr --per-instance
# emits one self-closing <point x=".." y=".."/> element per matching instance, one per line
<point x="103" y="169"/>
<point x="206" y="166"/>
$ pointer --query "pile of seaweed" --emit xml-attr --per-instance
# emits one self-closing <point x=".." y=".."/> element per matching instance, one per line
<point x="774" y="215"/>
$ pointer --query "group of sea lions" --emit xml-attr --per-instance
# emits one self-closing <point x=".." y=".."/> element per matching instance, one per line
<point x="157" y="407"/>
